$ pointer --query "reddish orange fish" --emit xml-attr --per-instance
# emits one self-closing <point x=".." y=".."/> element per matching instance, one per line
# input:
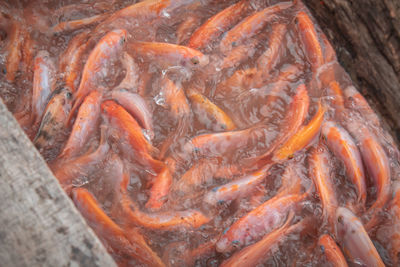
<point x="43" y="84"/>
<point x="268" y="60"/>
<point x="70" y="173"/>
<point x="250" y="26"/>
<point x="303" y="137"/>
<point x="84" y="126"/>
<point x="309" y="39"/>
<point x="259" y="222"/>
<point x="210" y="114"/>
<point x="104" y="52"/>
<point x="158" y="220"/>
<point x="217" y="24"/>
<point x="239" y="54"/>
<point x="73" y="25"/>
<point x="394" y="210"/>
<point x="132" y="138"/>
<point x="161" y="186"/>
<point x="319" y="171"/>
<point x="355" y="242"/>
<point x="186" y="28"/>
<point x="344" y="148"/>
<point x="331" y="251"/>
<point x="169" y="54"/>
<point x="130" y="245"/>
<point x="240" y="81"/>
<point x="131" y="80"/>
<point x="256" y="253"/>
<point x="70" y="60"/>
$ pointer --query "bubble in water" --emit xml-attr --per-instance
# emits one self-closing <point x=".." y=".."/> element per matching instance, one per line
<point x="159" y="99"/>
<point x="146" y="134"/>
<point x="164" y="13"/>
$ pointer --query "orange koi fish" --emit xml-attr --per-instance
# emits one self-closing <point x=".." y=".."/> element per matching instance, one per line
<point x="303" y="137"/>
<point x="169" y="54"/>
<point x="217" y="24"/>
<point x="344" y="148"/>
<point x="267" y="61"/>
<point x="254" y="254"/>
<point x="132" y="245"/>
<point x="84" y="126"/>
<point x="239" y="54"/>
<point x="319" y="171"/>
<point x="137" y="107"/>
<point x="210" y="114"/>
<point x="186" y="28"/>
<point x="250" y="26"/>
<point x="238" y="188"/>
<point x="331" y="251"/>
<point x="158" y="220"/>
<point x="309" y="39"/>
<point x="259" y="222"/>
<point x="354" y="240"/>
<point x="104" y="51"/>
<point x="70" y="173"/>
<point x="43" y="84"/>
<point x="131" y="135"/>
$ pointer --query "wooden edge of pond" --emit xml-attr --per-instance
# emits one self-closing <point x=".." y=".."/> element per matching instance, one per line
<point x="39" y="225"/>
<point x="366" y="37"/>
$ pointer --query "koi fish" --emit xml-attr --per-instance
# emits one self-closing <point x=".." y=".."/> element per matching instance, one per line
<point x="161" y="186"/>
<point x="319" y="171"/>
<point x="303" y="137"/>
<point x="250" y="26"/>
<point x="202" y="172"/>
<point x="137" y="107"/>
<point x="54" y="120"/>
<point x="344" y="148"/>
<point x="240" y="81"/>
<point x="175" y="100"/>
<point x="70" y="173"/>
<point x="84" y="126"/>
<point x="210" y="114"/>
<point x="186" y="28"/>
<point x="254" y="254"/>
<point x="103" y="52"/>
<point x="239" y="54"/>
<point x="332" y="252"/>
<point x="131" y="135"/>
<point x="169" y="54"/>
<point x="309" y="39"/>
<point x="237" y="188"/>
<point x="43" y="84"/>
<point x="158" y="220"/>
<point x="259" y="222"/>
<point x="70" y="59"/>
<point x="28" y="51"/>
<point x="377" y="165"/>
<point x="354" y="240"/>
<point x="217" y="24"/>
<point x="132" y="244"/>
<point x="394" y="210"/>
<point x="338" y="99"/>
<point x="268" y="60"/>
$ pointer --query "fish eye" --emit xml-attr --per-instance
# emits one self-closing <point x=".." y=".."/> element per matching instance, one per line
<point x="195" y="60"/>
<point x="340" y="219"/>
<point x="69" y="95"/>
<point x="4" y="70"/>
<point x="322" y="249"/>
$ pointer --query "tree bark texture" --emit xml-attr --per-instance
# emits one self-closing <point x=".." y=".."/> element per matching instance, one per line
<point x="366" y="37"/>
<point x="39" y="225"/>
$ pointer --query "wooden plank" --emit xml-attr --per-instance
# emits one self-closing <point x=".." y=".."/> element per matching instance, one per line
<point x="366" y="37"/>
<point x="39" y="223"/>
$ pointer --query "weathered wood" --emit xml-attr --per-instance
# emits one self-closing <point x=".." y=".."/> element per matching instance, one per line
<point x="39" y="226"/>
<point x="366" y="36"/>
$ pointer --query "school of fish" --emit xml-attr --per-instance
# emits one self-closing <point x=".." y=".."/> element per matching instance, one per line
<point x="204" y="133"/>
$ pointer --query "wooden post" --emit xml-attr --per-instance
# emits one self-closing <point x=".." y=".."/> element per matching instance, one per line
<point x="39" y="225"/>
